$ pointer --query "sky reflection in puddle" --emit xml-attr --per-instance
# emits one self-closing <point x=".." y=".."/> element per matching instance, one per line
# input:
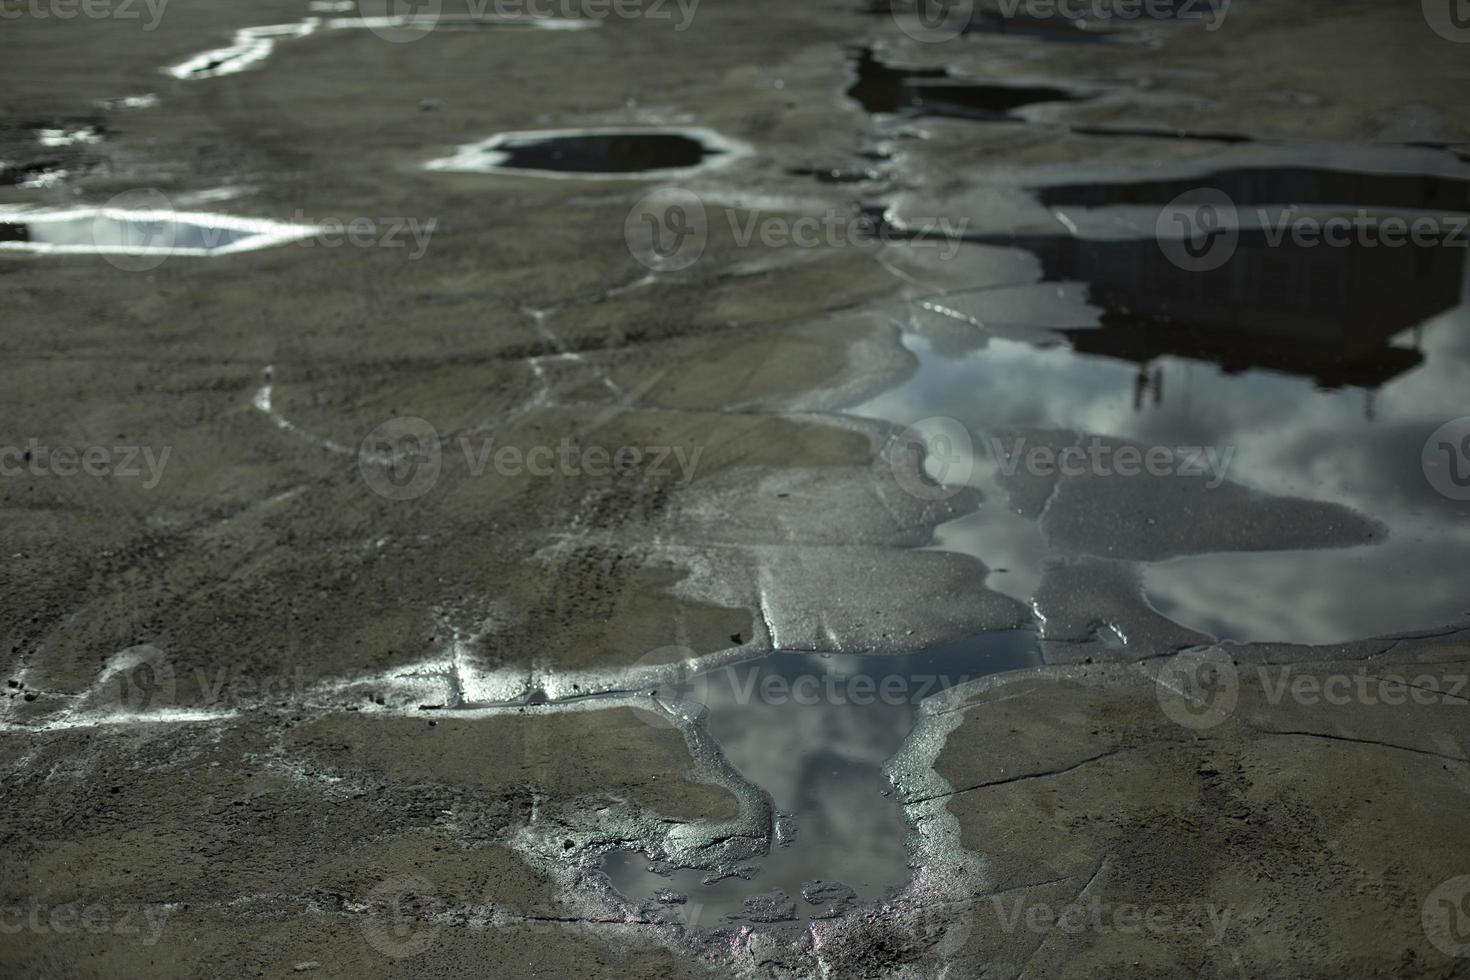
<point x="815" y="731"/>
<point x="1358" y="444"/>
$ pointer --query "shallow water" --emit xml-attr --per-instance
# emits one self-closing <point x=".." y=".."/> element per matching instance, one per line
<point x="814" y="731"/>
<point x="594" y="153"/>
<point x="112" y="231"/>
<point x="1314" y="373"/>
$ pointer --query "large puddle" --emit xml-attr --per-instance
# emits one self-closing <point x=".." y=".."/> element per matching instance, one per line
<point x="1315" y="373"/>
<point x="814" y="731"/>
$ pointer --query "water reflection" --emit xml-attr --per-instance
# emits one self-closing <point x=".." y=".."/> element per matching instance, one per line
<point x="1322" y="369"/>
<point x="814" y="731"/>
<point x="1358" y="446"/>
<point x="118" y="231"/>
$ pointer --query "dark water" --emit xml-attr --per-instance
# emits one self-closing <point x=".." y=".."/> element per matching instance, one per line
<point x="1324" y="313"/>
<point x="1326" y="372"/>
<point x="934" y="92"/>
<point x="1277" y="185"/>
<point x="604" y="153"/>
<point x="814" y="731"/>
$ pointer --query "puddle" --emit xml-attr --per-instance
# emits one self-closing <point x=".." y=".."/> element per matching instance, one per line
<point x="935" y="92"/>
<point x="814" y="731"/>
<point x="1327" y="314"/>
<point x="1302" y="186"/>
<point x="1323" y="371"/>
<point x="115" y="231"/>
<point x="253" y="45"/>
<point x="609" y="153"/>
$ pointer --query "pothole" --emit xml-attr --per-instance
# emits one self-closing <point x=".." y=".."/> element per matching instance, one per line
<point x="814" y="731"/>
<point x="610" y="153"/>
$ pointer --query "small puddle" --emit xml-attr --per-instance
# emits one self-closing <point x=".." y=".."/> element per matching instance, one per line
<point x="594" y="153"/>
<point x="814" y="731"/>
<point x="253" y="45"/>
<point x="935" y="92"/>
<point x="115" y="231"/>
